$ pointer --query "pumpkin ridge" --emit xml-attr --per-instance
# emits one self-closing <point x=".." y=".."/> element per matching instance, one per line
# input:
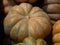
<point x="45" y="22"/>
<point x="11" y="26"/>
<point x="41" y="26"/>
<point x="24" y="29"/>
<point x="31" y="34"/>
<point x="37" y="9"/>
<point x="26" y="6"/>
<point x="19" y="9"/>
<point x="14" y="26"/>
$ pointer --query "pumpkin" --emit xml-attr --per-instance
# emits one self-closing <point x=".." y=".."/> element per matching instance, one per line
<point x="32" y="41"/>
<point x="54" y="16"/>
<point x="52" y="8"/>
<point x="8" y="4"/>
<point x="56" y="38"/>
<point x="52" y="1"/>
<point x="31" y="1"/>
<point x="24" y="20"/>
<point x="56" y="33"/>
<point x="56" y="27"/>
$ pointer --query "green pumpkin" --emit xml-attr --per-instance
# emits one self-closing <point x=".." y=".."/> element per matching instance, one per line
<point x="32" y="41"/>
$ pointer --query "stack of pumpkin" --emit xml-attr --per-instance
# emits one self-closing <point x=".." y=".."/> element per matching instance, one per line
<point x="8" y="4"/>
<point x="52" y="7"/>
<point x="25" y="22"/>
<point x="56" y="33"/>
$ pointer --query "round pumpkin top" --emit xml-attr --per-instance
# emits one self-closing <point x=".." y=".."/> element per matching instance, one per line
<point x="24" y="20"/>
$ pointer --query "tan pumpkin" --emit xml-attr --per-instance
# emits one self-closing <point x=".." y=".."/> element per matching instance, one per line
<point x="52" y="8"/>
<point x="8" y="4"/>
<point x="52" y="1"/>
<point x="54" y="16"/>
<point x="24" y="20"/>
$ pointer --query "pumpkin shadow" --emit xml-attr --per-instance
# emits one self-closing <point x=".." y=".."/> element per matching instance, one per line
<point x="2" y="16"/>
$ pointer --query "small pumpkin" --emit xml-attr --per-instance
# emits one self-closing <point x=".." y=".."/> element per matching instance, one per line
<point x="8" y="4"/>
<point x="56" y="27"/>
<point x="56" y="38"/>
<point x="56" y="33"/>
<point x="24" y="20"/>
<point x="52" y="1"/>
<point x="52" y="8"/>
<point x="32" y="41"/>
<point x="54" y="16"/>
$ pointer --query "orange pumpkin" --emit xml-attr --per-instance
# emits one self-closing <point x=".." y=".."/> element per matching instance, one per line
<point x="24" y="20"/>
<point x="56" y="33"/>
<point x="56" y="27"/>
<point x="31" y="1"/>
<point x="56" y="44"/>
<point x="56" y="38"/>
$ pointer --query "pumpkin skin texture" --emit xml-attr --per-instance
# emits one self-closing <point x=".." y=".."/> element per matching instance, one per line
<point x="52" y="8"/>
<point x="54" y="16"/>
<point x="56" y="38"/>
<point x="52" y="1"/>
<point x="32" y="41"/>
<point x="24" y="20"/>
<point x="56" y="27"/>
<point x="56" y="33"/>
